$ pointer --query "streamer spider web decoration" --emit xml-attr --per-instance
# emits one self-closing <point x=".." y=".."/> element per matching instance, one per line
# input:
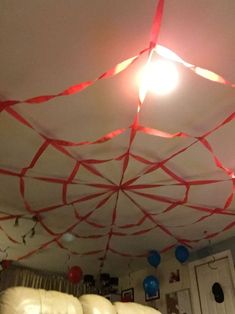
<point x="143" y="197"/>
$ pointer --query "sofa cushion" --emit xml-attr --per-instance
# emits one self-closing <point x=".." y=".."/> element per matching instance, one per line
<point x="54" y="302"/>
<point x="96" y="304"/>
<point x="22" y="300"/>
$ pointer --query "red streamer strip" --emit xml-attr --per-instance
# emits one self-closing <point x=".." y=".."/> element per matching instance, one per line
<point x="75" y="88"/>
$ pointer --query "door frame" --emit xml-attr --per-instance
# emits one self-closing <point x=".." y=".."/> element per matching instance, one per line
<point x="193" y="279"/>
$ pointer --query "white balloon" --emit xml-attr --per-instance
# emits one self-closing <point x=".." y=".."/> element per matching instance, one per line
<point x="68" y="237"/>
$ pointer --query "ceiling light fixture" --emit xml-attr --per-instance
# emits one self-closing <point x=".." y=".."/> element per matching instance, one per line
<point x="159" y="77"/>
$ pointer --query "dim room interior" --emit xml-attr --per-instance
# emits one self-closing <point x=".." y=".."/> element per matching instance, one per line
<point x="117" y="168"/>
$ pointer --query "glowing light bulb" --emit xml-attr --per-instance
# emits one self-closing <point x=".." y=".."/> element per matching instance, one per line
<point x="159" y="77"/>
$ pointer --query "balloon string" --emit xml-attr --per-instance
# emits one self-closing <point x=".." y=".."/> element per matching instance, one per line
<point x="67" y="261"/>
<point x="129" y="274"/>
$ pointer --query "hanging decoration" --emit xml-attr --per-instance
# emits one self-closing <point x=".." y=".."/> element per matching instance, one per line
<point x="16" y="224"/>
<point x="32" y="230"/>
<point x="154" y="258"/>
<point x="181" y="253"/>
<point x="75" y="274"/>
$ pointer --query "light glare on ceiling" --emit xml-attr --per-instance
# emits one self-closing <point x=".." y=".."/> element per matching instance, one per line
<point x="159" y="77"/>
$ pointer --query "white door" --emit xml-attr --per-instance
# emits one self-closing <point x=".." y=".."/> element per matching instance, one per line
<point x="207" y="275"/>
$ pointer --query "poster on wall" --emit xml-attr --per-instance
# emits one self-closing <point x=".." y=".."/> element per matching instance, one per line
<point x="179" y="302"/>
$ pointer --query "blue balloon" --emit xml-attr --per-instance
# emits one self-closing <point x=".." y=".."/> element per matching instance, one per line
<point x="151" y="285"/>
<point x="151" y="292"/>
<point x="154" y="258"/>
<point x="181" y="253"/>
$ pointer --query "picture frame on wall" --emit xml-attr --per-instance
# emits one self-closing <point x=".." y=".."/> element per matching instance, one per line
<point x="152" y="297"/>
<point x="127" y="295"/>
<point x="174" y="276"/>
<point x="179" y="302"/>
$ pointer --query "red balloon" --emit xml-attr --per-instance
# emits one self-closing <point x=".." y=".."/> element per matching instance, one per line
<point x="75" y="274"/>
<point x="6" y="263"/>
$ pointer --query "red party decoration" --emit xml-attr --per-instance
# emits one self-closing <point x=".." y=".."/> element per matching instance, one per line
<point x="75" y="274"/>
<point x="6" y="263"/>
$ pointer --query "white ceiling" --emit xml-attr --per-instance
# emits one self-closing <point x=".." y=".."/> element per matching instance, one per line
<point x="47" y="46"/>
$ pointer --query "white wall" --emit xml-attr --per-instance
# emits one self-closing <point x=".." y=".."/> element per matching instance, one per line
<point x="168" y="264"/>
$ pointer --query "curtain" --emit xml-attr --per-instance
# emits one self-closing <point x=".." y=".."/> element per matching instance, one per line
<point x="18" y="276"/>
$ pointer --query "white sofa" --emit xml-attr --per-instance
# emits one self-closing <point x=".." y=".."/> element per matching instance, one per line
<point x="21" y="300"/>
